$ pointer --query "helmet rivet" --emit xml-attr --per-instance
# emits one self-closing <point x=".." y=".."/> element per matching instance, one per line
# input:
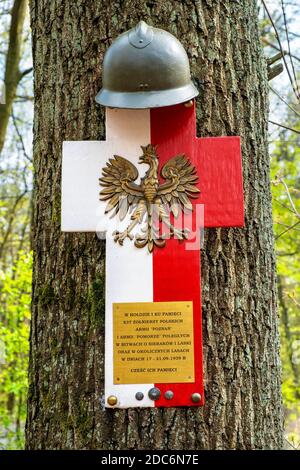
<point x="112" y="400"/>
<point x="196" y="397"/>
<point x="154" y="393"/>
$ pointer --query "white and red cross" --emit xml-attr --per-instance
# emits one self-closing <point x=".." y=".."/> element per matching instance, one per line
<point x="167" y="274"/>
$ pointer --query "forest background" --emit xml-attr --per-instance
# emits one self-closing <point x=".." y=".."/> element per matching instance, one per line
<point x="280" y="37"/>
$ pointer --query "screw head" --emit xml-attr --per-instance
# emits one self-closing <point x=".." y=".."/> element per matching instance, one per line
<point x="139" y="396"/>
<point x="154" y="393"/>
<point x="112" y="400"/>
<point x="169" y="395"/>
<point x="196" y="397"/>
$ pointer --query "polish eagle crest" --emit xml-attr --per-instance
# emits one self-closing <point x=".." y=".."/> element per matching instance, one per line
<point x="149" y="202"/>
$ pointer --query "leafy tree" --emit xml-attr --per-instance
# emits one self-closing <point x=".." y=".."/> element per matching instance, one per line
<point x="286" y="208"/>
<point x="15" y="208"/>
<point x="14" y="347"/>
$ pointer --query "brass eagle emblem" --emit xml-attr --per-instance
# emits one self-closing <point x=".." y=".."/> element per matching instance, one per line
<point x="149" y="202"/>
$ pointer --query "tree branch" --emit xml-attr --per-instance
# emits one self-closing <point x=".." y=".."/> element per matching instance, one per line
<point x="288" y="229"/>
<point x="276" y="48"/>
<point x="284" y="101"/>
<point x="10" y="222"/>
<point x="274" y="71"/>
<point x="284" y="127"/>
<point x="289" y="46"/>
<point x="20" y="139"/>
<point x="12" y="73"/>
<point x="281" y="48"/>
<point x="24" y="73"/>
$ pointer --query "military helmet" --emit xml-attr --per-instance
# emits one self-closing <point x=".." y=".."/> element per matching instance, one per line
<point x="145" y="67"/>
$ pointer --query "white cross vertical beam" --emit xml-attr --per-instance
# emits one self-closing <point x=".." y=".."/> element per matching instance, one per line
<point x="129" y="270"/>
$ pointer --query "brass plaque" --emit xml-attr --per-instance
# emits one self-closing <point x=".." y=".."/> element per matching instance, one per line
<point x="153" y="342"/>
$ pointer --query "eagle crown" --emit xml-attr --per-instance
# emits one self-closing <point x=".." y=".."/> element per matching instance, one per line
<point x="149" y="155"/>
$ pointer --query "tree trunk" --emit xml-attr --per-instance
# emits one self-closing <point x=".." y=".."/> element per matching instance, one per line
<point x="241" y="343"/>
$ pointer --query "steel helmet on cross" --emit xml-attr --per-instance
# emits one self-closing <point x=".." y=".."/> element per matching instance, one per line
<point x="146" y="67"/>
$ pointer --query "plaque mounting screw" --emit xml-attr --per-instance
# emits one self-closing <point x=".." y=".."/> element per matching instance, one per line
<point x="112" y="400"/>
<point x="139" y="396"/>
<point x="196" y="397"/>
<point x="169" y="395"/>
<point x="189" y="104"/>
<point x="154" y="393"/>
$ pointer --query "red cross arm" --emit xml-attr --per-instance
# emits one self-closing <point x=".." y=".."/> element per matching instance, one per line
<point x="217" y="159"/>
<point x="220" y="181"/>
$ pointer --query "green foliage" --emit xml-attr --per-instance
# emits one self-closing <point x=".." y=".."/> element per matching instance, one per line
<point x="15" y="288"/>
<point x="285" y="166"/>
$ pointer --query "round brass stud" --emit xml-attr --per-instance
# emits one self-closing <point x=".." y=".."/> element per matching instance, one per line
<point x="188" y="104"/>
<point x="169" y="395"/>
<point x="112" y="400"/>
<point x="196" y="397"/>
<point x="154" y="393"/>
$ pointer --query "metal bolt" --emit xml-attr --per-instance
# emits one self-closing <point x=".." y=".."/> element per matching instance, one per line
<point x="139" y="396"/>
<point x="189" y="104"/>
<point x="112" y="400"/>
<point x="196" y="397"/>
<point x="169" y="395"/>
<point x="154" y="393"/>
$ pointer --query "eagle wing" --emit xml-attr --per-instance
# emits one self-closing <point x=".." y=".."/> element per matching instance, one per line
<point x="180" y="186"/>
<point x="119" y="191"/>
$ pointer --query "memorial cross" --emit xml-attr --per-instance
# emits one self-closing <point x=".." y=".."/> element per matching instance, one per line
<point x="169" y="274"/>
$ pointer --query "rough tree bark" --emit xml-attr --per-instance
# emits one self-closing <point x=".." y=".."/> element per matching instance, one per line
<point x="242" y="368"/>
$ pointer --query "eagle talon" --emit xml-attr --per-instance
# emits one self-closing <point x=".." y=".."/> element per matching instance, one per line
<point x="119" y="237"/>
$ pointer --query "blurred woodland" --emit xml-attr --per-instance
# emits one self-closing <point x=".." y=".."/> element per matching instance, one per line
<point x="280" y="38"/>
